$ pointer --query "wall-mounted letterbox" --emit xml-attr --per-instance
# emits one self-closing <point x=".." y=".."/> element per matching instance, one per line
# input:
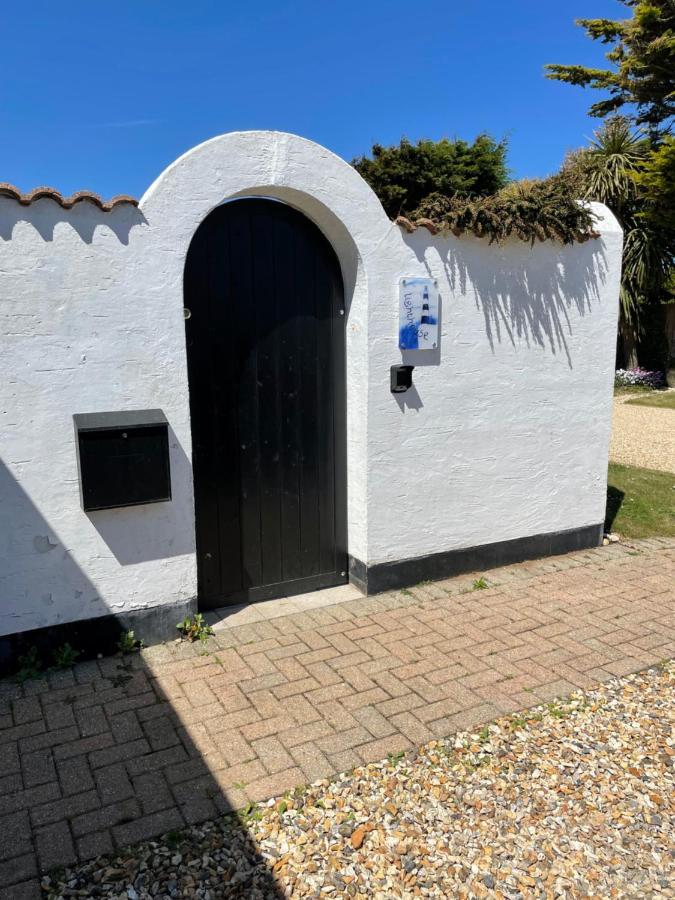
<point x="123" y="458"/>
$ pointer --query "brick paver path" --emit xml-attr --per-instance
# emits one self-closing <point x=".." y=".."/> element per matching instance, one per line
<point x="103" y="756"/>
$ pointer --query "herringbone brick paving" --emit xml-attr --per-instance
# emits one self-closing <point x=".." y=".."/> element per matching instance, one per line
<point x="116" y="751"/>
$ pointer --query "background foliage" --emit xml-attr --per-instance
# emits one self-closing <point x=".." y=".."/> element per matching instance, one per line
<point x="404" y="176"/>
<point x="463" y="187"/>
<point x="630" y="165"/>
<point x="642" y="58"/>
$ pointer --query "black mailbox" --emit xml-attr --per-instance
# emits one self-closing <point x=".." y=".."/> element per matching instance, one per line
<point x="123" y="458"/>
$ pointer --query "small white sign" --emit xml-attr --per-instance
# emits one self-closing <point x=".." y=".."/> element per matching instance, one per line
<point x="418" y="314"/>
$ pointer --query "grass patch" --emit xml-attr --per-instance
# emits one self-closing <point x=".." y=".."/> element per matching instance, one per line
<point x="620" y="390"/>
<point x="659" y="399"/>
<point x="640" y="502"/>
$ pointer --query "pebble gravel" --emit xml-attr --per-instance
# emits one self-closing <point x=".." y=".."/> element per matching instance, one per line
<point x="642" y="436"/>
<point x="572" y="799"/>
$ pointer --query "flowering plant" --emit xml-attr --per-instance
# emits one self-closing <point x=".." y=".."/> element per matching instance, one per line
<point x="638" y="376"/>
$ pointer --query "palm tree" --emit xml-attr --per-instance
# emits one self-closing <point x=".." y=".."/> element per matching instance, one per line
<point x="608" y="171"/>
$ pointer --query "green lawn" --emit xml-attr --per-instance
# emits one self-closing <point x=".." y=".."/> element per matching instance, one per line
<point x="640" y="502"/>
<point x="661" y="399"/>
<point x="622" y="389"/>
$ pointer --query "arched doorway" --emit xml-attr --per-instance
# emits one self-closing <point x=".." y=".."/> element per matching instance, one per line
<point x="265" y="333"/>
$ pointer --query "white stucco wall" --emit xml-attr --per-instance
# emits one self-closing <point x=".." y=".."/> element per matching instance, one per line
<point x="82" y="330"/>
<point x="505" y="434"/>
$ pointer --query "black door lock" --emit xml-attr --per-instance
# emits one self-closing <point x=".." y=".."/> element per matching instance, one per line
<point x="401" y="378"/>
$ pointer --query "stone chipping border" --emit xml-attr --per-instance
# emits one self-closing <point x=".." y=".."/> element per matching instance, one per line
<point x="642" y="436"/>
<point x="575" y="798"/>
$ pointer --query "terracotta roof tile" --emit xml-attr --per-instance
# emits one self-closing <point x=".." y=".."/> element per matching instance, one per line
<point x="410" y="226"/>
<point x="9" y="190"/>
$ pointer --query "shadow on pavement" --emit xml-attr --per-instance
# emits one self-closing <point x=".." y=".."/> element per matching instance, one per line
<point x="104" y="755"/>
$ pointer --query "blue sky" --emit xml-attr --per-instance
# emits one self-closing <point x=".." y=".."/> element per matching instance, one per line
<point x="104" y="95"/>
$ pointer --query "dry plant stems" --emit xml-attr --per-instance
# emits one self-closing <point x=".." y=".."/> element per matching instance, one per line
<point x="530" y="211"/>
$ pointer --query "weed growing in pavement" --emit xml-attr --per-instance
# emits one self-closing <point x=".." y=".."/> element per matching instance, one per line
<point x="127" y="643"/>
<point x="195" y="628"/>
<point x="29" y="666"/>
<point x="249" y="813"/>
<point x="517" y="722"/>
<point x="173" y="840"/>
<point x="556" y="711"/>
<point x="59" y="873"/>
<point x="395" y="758"/>
<point x="480" y="584"/>
<point x="475" y="764"/>
<point x="65" y="656"/>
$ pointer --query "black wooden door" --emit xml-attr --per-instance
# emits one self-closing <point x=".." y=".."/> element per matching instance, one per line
<point x="266" y="364"/>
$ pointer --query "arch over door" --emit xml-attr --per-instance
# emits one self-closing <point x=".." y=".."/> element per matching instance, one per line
<point x="266" y="366"/>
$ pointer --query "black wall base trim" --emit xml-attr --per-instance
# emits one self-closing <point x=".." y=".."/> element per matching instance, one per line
<point x="93" y="636"/>
<point x="358" y="574"/>
<point x="406" y="572"/>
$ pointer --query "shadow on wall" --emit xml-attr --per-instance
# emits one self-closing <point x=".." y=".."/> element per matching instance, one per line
<point x="526" y="293"/>
<point x="119" y="527"/>
<point x="84" y="218"/>
<point x="409" y="399"/>
<point x="184" y="759"/>
<point x="31" y="554"/>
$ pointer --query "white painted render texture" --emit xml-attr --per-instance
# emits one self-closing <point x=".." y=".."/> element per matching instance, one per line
<point x="504" y="435"/>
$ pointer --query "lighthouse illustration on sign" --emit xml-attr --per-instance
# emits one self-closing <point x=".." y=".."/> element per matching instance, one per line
<point x="418" y="314"/>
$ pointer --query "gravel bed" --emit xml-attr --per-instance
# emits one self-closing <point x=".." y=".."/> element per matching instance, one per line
<point x="573" y="799"/>
<point x="642" y="436"/>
